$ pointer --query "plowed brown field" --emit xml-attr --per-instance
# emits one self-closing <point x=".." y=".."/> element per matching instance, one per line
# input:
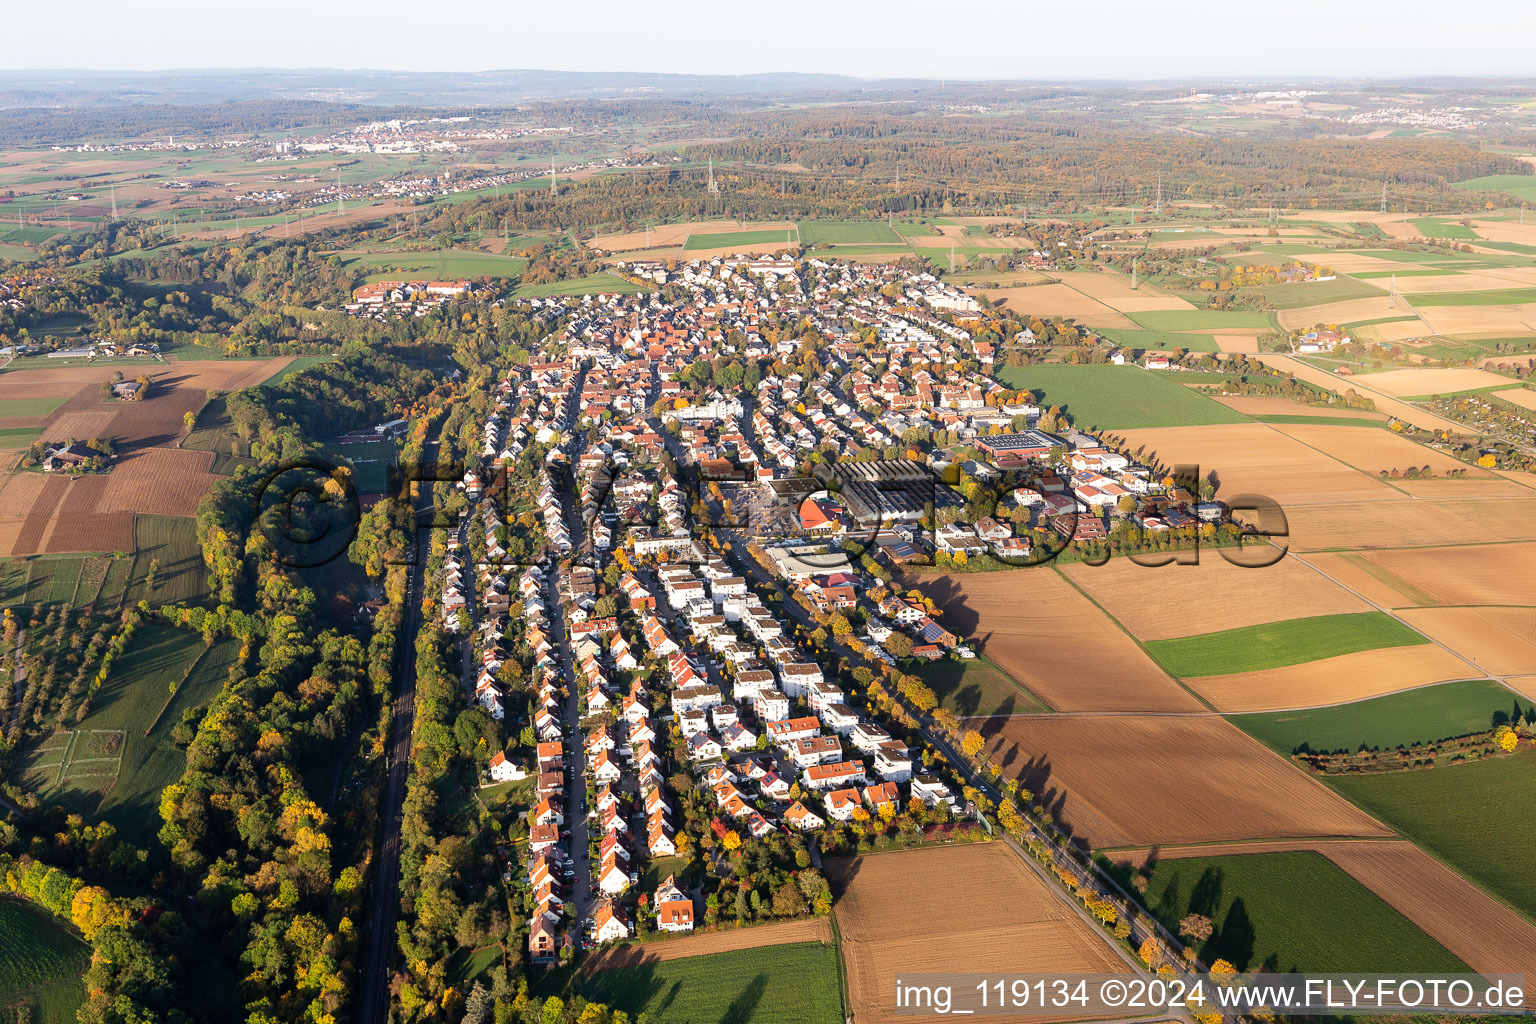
<point x="1038" y="628"/>
<point x="975" y="908"/>
<point x="1477" y="574"/>
<point x="1125" y="780"/>
<point x="1348" y="677"/>
<point x="1428" y="521"/>
<point x="1260" y="405"/>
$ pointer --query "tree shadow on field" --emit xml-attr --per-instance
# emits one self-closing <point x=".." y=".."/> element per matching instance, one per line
<point x="1234" y="942"/>
<point x="744" y="1005"/>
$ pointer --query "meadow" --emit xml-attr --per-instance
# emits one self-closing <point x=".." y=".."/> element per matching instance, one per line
<point x="1431" y="227"/>
<point x="1470" y="815"/>
<point x="1200" y="320"/>
<point x="843" y="232"/>
<point x="439" y="264"/>
<point x="592" y="285"/>
<point x="977" y="687"/>
<point x="790" y="984"/>
<point x="121" y="756"/>
<point x="1277" y="644"/>
<point x="1491" y="297"/>
<point x="1119" y="397"/>
<point x="725" y="239"/>
<point x="15" y="407"/>
<point x="1164" y="341"/>
<point x="41" y="963"/>
<point x="1292" y="911"/>
<point x="1312" y="293"/>
<point x="1424" y="715"/>
<point x="1521" y="186"/>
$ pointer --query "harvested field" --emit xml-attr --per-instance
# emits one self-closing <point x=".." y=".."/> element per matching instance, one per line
<point x="975" y="908"/>
<point x="1429" y="381"/>
<point x="1500" y="641"/>
<point x="1512" y="318"/>
<point x="1255" y="458"/>
<point x="1058" y="300"/>
<point x="1332" y="382"/>
<point x="1345" y="312"/>
<point x="1399" y="330"/>
<point x="811" y="929"/>
<point x="1478" y="929"/>
<point x="1523" y="397"/>
<point x="1184" y="600"/>
<point x="1259" y="405"/>
<point x="1024" y="617"/>
<point x="1164" y="779"/>
<point x="82" y="425"/>
<point x="1377" y="524"/>
<point x="161" y="481"/>
<point x="1478" y="575"/>
<point x="1372" y="451"/>
<point x="1337" y="680"/>
<point x="1245" y="343"/>
<point x="1524" y="684"/>
<point x="1114" y="290"/>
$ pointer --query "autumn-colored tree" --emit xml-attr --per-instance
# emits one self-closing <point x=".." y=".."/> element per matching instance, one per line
<point x="1196" y="927"/>
<point x="972" y="743"/>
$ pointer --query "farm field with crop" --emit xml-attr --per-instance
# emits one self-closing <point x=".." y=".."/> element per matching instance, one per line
<point x="41" y="963"/>
<point x="1461" y="813"/>
<point x="1278" y="644"/>
<point x="792" y="984"/>
<point x="1200" y="320"/>
<point x="438" y="264"/>
<point x="972" y="908"/>
<point x="727" y="239"/>
<point x="1423" y="715"/>
<point x="1118" y="397"/>
<point x="846" y="232"/>
<point x="1291" y="911"/>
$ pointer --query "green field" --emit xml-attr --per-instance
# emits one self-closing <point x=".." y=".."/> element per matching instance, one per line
<point x="171" y="540"/>
<point x="1200" y="319"/>
<point x="1162" y="341"/>
<point x="439" y="264"/>
<point x="41" y="964"/>
<point x="1312" y="293"/>
<point x="121" y="756"/>
<point x="1521" y="186"/>
<point x="790" y="984"/>
<point x="27" y="235"/>
<point x="10" y="407"/>
<point x="63" y="579"/>
<point x="1431" y="227"/>
<point x="977" y="687"/>
<point x="1292" y="912"/>
<point x="1424" y="715"/>
<point x="725" y="239"/>
<point x="1371" y="275"/>
<point x="1119" y="397"/>
<point x="1491" y="297"/>
<point x="593" y="285"/>
<point x="1277" y="644"/>
<point x="1470" y="815"/>
<point x="906" y="229"/>
<point x="846" y="232"/>
<point x="298" y="365"/>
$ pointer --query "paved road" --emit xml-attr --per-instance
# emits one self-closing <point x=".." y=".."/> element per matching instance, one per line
<point x="379" y="947"/>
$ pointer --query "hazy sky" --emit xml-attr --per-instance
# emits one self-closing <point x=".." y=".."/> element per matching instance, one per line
<point x="896" y="38"/>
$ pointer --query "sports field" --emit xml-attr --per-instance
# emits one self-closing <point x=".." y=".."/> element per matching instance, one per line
<point x="1292" y="911"/>
<point x="1470" y="815"/>
<point x="41" y="963"/>
<point x="793" y="984"/>
<point x="1277" y="644"/>
<point x="1425" y="715"/>
<point x="1119" y="397"/>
